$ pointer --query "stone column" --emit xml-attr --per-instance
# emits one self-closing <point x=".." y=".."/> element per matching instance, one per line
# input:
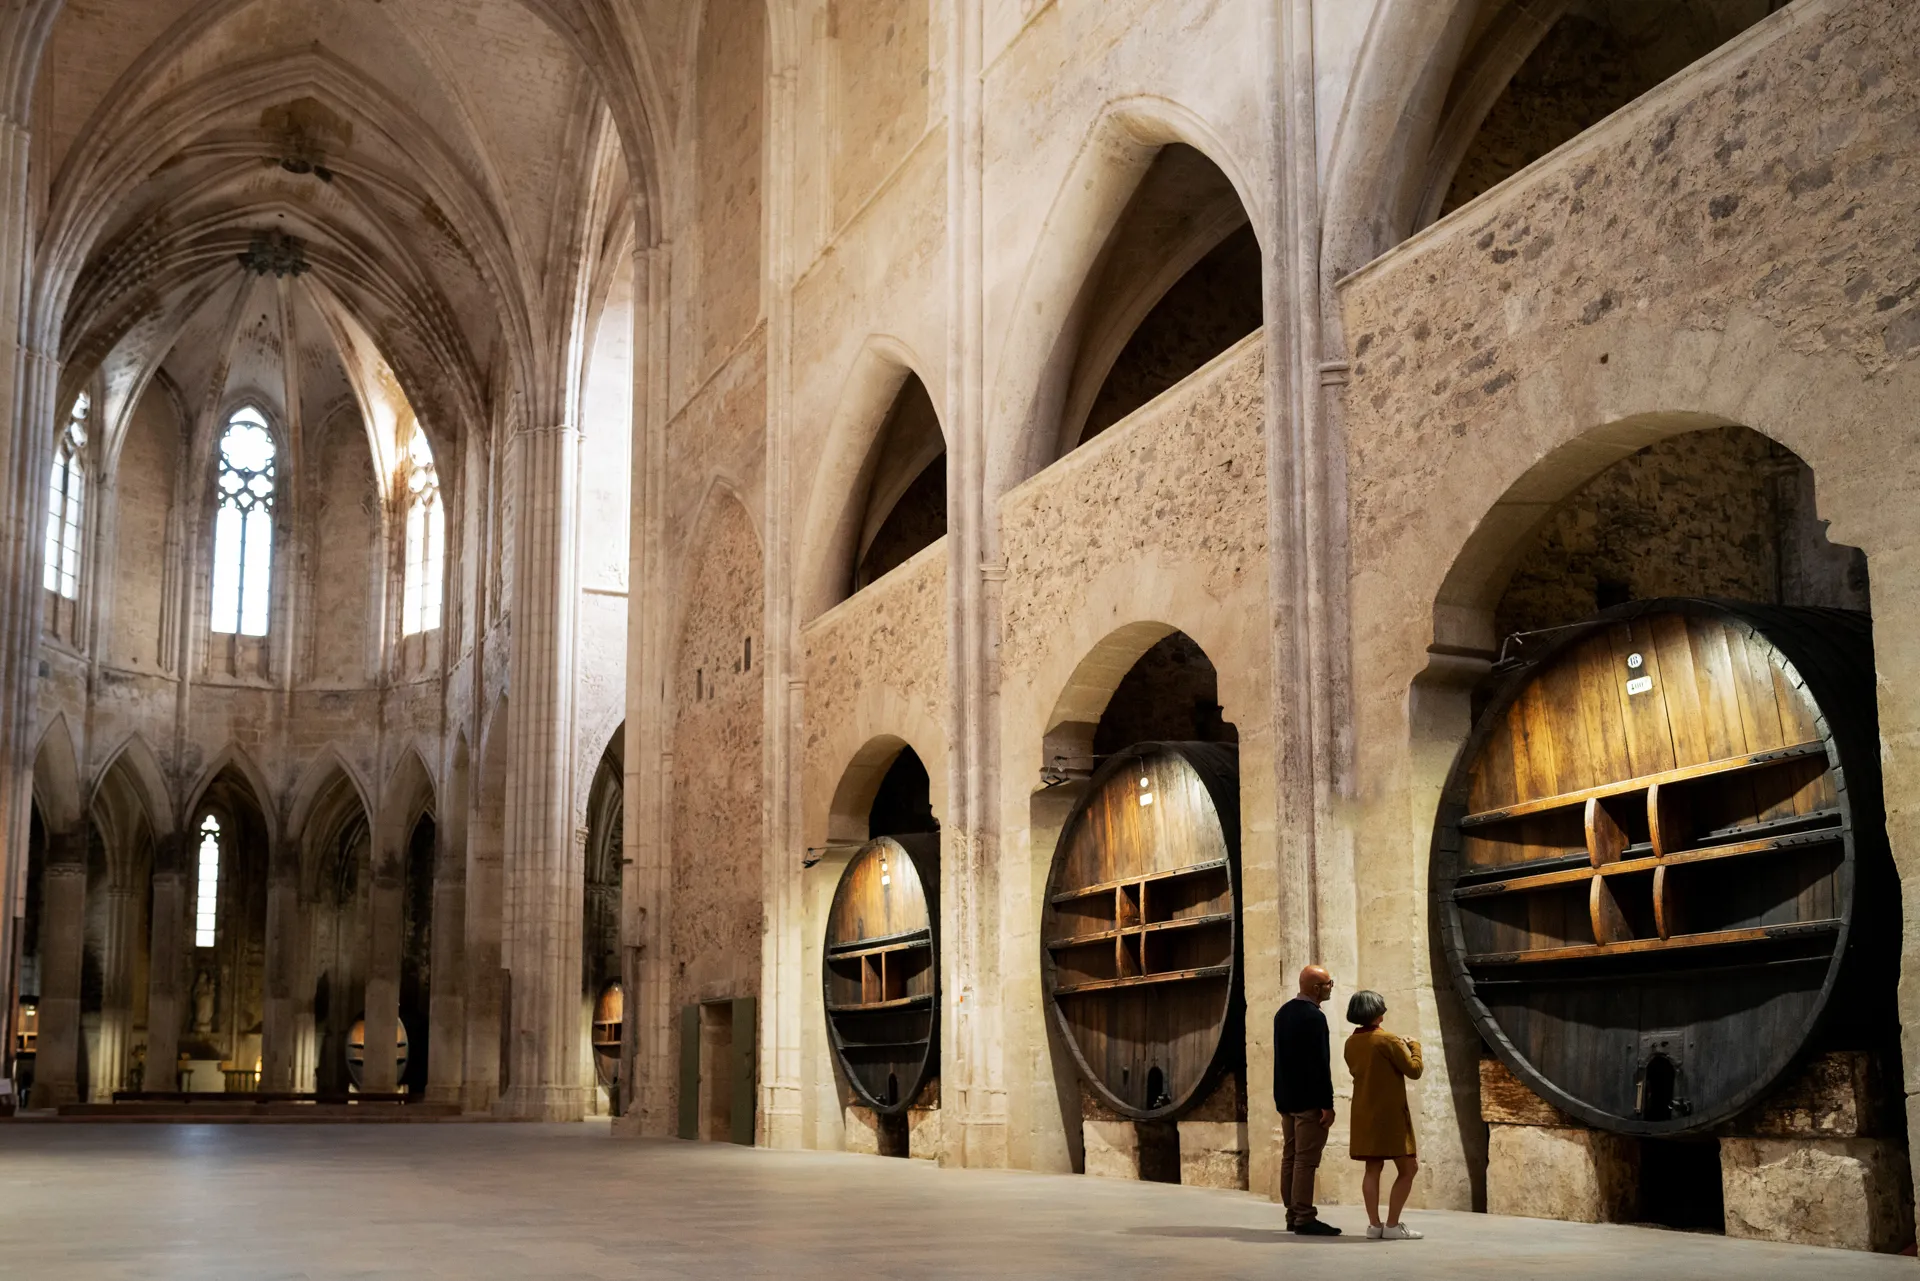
<point x="647" y="881"/>
<point x="108" y="1069"/>
<point x="166" y="963"/>
<point x="544" y="877"/>
<point x="973" y="1091"/>
<point x="286" y="946"/>
<point x="447" y="1003"/>
<point x="63" y="926"/>
<point x="480" y="1067"/>
<point x="385" y="926"/>
<point x="28" y="378"/>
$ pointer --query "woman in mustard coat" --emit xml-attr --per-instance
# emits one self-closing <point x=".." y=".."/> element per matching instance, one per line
<point x="1382" y="1064"/>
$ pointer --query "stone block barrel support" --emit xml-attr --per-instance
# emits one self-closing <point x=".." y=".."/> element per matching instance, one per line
<point x="544" y="879"/>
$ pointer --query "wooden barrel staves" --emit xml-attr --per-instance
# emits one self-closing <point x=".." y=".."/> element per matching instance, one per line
<point x="1140" y="933"/>
<point x="882" y="970"/>
<point x="1647" y="857"/>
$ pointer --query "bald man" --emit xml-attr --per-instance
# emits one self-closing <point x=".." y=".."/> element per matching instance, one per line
<point x="1303" y="1093"/>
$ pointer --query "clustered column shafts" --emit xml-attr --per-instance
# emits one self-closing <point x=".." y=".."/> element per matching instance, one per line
<point x="647" y="880"/>
<point x="23" y="375"/>
<point x="63" y="928"/>
<point x="544" y="873"/>
<point x="166" y="963"/>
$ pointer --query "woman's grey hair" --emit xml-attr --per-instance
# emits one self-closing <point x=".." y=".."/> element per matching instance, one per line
<point x="1364" y="1006"/>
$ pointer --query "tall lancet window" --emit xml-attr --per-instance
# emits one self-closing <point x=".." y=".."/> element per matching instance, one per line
<point x="243" y="529"/>
<point x="426" y="540"/>
<point x="206" y="898"/>
<point x="67" y="502"/>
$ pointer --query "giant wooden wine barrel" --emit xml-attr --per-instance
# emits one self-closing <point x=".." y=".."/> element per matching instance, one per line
<point x="882" y="970"/>
<point x="1647" y="857"/>
<point x="1140" y="934"/>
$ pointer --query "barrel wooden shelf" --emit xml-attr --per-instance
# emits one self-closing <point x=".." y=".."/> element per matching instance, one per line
<point x="1647" y="856"/>
<point x="1140" y="941"/>
<point x="881" y="970"/>
<point x="609" y="1013"/>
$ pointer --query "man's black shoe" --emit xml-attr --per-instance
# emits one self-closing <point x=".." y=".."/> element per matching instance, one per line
<point x="1315" y="1228"/>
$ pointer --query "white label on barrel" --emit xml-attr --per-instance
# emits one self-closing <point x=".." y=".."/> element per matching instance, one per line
<point x="1639" y="685"/>
<point x="1146" y="798"/>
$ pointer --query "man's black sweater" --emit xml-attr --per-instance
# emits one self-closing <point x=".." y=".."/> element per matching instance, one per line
<point x="1302" y="1073"/>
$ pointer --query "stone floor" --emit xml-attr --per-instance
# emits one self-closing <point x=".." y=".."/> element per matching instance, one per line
<point x="88" y="1202"/>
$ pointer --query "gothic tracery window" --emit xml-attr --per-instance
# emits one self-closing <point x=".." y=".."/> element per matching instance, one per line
<point x="243" y="527"/>
<point x="67" y="503"/>
<point x="206" y="899"/>
<point x="426" y="540"/>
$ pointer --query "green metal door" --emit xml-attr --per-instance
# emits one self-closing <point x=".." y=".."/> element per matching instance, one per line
<point x="689" y="1071"/>
<point x="745" y="1067"/>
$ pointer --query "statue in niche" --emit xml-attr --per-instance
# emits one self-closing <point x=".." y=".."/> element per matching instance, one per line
<point x="203" y="1003"/>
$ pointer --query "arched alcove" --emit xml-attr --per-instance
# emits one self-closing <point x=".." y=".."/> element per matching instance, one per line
<point x="119" y="925"/>
<point x="1145" y="700"/>
<point x="1177" y="282"/>
<point x="224" y="1013"/>
<point x="1669" y="505"/>
<point x="902" y="494"/>
<point x="336" y="842"/>
<point x="1535" y="75"/>
<point x="877" y="496"/>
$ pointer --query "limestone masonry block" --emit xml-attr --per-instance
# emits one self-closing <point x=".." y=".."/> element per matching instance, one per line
<point x="1558" y="1172"/>
<point x="1856" y="1194"/>
<point x="862" y="1131"/>
<point x="1213" y="1154"/>
<point x="1113" y="1149"/>
<point x="924" y="1135"/>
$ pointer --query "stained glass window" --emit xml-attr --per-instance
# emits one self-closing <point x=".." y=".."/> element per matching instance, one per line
<point x="243" y="528"/>
<point x="67" y="502"/>
<point x="206" y="899"/>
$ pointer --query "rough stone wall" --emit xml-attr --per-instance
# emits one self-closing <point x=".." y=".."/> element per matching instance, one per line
<point x="344" y="557"/>
<point x="875" y="664"/>
<point x="143" y="499"/>
<point x="1577" y="76"/>
<point x="882" y="82"/>
<point x="716" y="916"/>
<point x="1708" y="513"/>
<point x="1208" y="310"/>
<point x="718" y="435"/>
<point x="1187" y="486"/>
<point x="1732" y="248"/>
<point x="730" y="83"/>
<point x="1172" y="694"/>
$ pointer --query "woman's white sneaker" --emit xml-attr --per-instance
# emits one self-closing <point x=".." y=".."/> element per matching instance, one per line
<point x="1398" y="1232"/>
<point x="1373" y="1232"/>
